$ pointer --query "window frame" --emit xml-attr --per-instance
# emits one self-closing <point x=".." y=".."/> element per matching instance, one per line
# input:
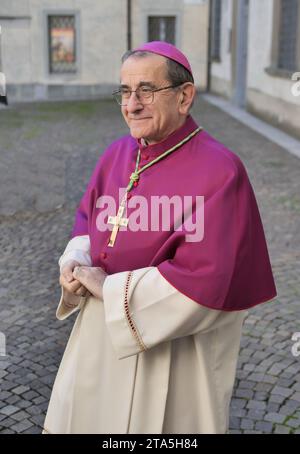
<point x="274" y="69"/>
<point x="170" y="16"/>
<point x="62" y="75"/>
<point x="164" y="11"/>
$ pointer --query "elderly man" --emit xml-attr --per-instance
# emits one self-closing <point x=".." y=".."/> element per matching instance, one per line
<point x="156" y="339"/>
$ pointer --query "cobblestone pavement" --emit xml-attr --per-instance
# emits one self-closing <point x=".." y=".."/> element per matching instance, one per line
<point x="47" y="154"/>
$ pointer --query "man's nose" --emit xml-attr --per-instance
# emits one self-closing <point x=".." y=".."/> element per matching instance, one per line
<point x="134" y="103"/>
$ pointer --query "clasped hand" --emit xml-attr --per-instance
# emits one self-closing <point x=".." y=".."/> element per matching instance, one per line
<point x="82" y="280"/>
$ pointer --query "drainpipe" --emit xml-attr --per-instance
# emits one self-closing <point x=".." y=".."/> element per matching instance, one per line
<point x="209" y="46"/>
<point x="129" y="24"/>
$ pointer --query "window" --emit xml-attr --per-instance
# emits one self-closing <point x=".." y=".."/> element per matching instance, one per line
<point x="216" y="29"/>
<point x="62" y="44"/>
<point x="161" y="28"/>
<point x="288" y="31"/>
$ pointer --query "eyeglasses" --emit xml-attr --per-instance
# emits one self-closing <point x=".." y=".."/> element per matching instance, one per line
<point x="144" y="94"/>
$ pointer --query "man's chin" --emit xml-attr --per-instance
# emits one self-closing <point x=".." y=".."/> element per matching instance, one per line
<point x="137" y="133"/>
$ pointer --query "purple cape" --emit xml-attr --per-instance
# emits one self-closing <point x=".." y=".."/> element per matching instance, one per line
<point x="230" y="268"/>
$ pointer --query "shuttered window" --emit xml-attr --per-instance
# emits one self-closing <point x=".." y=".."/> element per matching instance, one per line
<point x="288" y="31"/>
<point x="162" y="28"/>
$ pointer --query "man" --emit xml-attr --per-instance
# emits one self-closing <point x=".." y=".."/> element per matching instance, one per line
<point x="155" y="343"/>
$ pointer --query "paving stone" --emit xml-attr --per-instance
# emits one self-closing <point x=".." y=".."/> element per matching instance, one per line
<point x="39" y="400"/>
<point x="7" y="386"/>
<point x="244" y="393"/>
<point x="247" y="423"/>
<point x="20" y="415"/>
<point x="266" y="387"/>
<point x="272" y="407"/>
<point x="264" y="427"/>
<point x="20" y="390"/>
<point x="9" y="410"/>
<point x="239" y="412"/>
<point x="33" y="430"/>
<point x="260" y="396"/>
<point x="279" y="390"/>
<point x="277" y="399"/>
<point x="3" y="373"/>
<point x="252" y="432"/>
<point x="12" y="400"/>
<point x="23" y="404"/>
<point x="34" y="410"/>
<point x="296" y="397"/>
<point x="279" y="429"/>
<point x="235" y="423"/>
<point x="275" y="417"/>
<point x="2" y="404"/>
<point x="238" y="403"/>
<point x="7" y="422"/>
<point x="296" y="386"/>
<point x="292" y="405"/>
<point x="257" y="377"/>
<point x="256" y="405"/>
<point x="38" y="419"/>
<point x="2" y="417"/>
<point x="257" y="415"/>
<point x="293" y="422"/>
<point x="30" y="395"/>
<point x="247" y="384"/>
<point x="22" y="426"/>
<point x="285" y="383"/>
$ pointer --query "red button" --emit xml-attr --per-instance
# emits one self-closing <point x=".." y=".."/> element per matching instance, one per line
<point x="103" y="255"/>
<point x="129" y="195"/>
<point x="146" y="157"/>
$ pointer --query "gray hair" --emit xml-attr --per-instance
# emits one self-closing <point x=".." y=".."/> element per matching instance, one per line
<point x="176" y="73"/>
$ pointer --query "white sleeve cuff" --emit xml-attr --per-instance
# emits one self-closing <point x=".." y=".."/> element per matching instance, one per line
<point x="67" y="300"/>
<point x="78" y="248"/>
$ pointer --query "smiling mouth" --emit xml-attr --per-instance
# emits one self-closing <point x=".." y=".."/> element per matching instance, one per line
<point x="138" y="119"/>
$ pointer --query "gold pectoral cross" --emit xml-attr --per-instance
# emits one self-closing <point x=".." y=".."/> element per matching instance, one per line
<point x="117" y="221"/>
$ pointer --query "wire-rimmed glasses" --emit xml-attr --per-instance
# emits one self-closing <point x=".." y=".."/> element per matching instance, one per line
<point x="144" y="94"/>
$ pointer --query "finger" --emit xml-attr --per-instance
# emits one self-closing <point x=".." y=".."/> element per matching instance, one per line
<point x="91" y="278"/>
<point x="80" y="274"/>
<point x="80" y="270"/>
<point x="70" y="286"/>
<point x="74" y="286"/>
<point x="63" y="281"/>
<point x="83" y="274"/>
<point x="81" y="291"/>
<point x="68" y="275"/>
<point x="67" y="271"/>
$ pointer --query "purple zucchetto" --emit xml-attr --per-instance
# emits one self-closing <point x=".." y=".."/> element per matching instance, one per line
<point x="166" y="50"/>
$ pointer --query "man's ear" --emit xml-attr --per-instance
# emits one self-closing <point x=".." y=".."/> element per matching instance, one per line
<point x="186" y="97"/>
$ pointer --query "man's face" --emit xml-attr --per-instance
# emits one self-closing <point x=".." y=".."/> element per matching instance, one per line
<point x="153" y="122"/>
